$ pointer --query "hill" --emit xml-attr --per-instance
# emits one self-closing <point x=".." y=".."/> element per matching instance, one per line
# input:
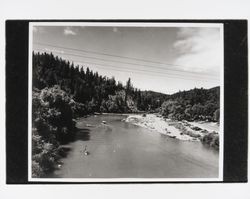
<point x="195" y="104"/>
<point x="96" y="93"/>
<point x="92" y="92"/>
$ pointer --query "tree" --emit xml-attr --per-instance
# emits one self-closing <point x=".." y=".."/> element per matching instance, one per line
<point x="128" y="89"/>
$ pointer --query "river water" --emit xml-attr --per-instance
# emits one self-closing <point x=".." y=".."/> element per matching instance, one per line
<point x="122" y="150"/>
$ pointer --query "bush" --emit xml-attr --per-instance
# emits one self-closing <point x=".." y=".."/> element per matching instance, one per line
<point x="44" y="155"/>
<point x="195" y="128"/>
<point x="184" y="129"/>
<point x="52" y="124"/>
<point x="52" y="112"/>
<point x="79" y="109"/>
<point x="37" y="171"/>
<point x="211" y="139"/>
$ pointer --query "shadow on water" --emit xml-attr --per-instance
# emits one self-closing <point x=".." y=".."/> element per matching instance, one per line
<point x="165" y="137"/>
<point x="82" y="134"/>
<point x="210" y="148"/>
<point x="79" y="134"/>
<point x="63" y="151"/>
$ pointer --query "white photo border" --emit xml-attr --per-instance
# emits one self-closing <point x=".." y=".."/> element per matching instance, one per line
<point x="127" y="24"/>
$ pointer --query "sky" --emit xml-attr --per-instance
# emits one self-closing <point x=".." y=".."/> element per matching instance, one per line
<point x="162" y="59"/>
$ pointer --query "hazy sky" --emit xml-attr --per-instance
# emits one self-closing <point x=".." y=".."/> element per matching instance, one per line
<point x="164" y="59"/>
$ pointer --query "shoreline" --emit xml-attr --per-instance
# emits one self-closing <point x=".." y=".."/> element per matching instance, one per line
<point x="205" y="132"/>
<point x="99" y="114"/>
<point x="182" y="130"/>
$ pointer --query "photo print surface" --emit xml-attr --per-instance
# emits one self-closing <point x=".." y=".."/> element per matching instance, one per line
<point x="125" y="101"/>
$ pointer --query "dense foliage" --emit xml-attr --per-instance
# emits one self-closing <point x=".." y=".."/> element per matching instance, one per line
<point x="95" y="92"/>
<point x="196" y="104"/>
<point x="52" y="124"/>
<point x="211" y="139"/>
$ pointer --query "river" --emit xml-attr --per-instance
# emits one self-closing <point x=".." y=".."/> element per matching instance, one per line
<point x="122" y="150"/>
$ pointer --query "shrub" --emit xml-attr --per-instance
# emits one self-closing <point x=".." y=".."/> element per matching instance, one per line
<point x="52" y="123"/>
<point x="211" y="139"/>
<point x="195" y="128"/>
<point x="44" y="155"/>
<point x="37" y="171"/>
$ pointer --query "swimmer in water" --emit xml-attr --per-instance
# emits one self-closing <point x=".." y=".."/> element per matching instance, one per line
<point x="85" y="151"/>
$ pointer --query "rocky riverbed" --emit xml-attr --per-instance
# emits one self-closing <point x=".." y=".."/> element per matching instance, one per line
<point x="183" y="130"/>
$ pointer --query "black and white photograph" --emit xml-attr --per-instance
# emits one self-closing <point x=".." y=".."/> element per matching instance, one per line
<point x="125" y="101"/>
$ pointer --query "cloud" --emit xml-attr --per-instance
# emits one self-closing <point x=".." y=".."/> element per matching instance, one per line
<point x="198" y="49"/>
<point x="69" y="31"/>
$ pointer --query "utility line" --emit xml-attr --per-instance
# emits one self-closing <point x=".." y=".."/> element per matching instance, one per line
<point x="142" y="72"/>
<point x="106" y="54"/>
<point x="132" y="70"/>
<point x="150" y="74"/>
<point x="70" y="54"/>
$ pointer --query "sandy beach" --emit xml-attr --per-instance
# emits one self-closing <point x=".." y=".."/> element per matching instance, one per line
<point x="182" y="130"/>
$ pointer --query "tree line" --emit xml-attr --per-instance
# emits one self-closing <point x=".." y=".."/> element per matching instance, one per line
<point x="195" y="104"/>
<point x="95" y="93"/>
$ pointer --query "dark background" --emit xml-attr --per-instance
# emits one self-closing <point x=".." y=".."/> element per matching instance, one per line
<point x="235" y="98"/>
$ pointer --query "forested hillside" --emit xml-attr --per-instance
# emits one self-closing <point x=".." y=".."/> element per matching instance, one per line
<point x="95" y="92"/>
<point x="195" y="104"/>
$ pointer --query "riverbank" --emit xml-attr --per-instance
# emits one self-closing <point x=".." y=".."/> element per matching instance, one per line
<point x="182" y="130"/>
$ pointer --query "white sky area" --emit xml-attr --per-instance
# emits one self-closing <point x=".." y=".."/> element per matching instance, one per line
<point x="199" y="47"/>
<point x="162" y="59"/>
